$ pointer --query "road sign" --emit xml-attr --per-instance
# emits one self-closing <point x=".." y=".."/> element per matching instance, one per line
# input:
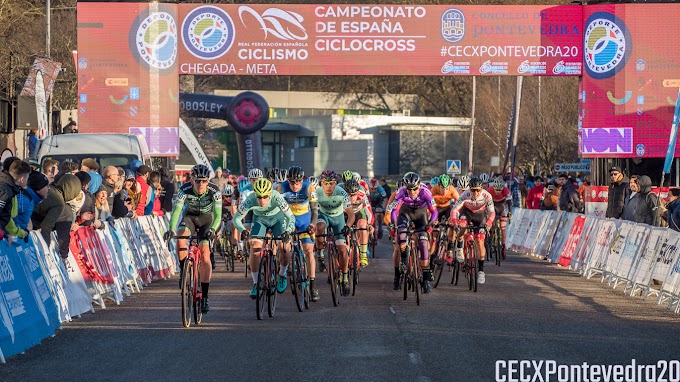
<point x="572" y="167"/>
<point x="453" y="166"/>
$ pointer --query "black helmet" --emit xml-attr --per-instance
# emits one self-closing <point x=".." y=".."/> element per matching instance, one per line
<point x="271" y="174"/>
<point x="200" y="171"/>
<point x="411" y="180"/>
<point x="296" y="173"/>
<point x="351" y="186"/>
<point x="476" y="183"/>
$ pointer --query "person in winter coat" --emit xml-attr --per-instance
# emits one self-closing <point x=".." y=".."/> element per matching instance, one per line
<point x="570" y="200"/>
<point x="29" y="197"/>
<point x="536" y="194"/>
<point x="12" y="181"/>
<point x="54" y="214"/>
<point x="642" y="205"/>
<point x="552" y="198"/>
<point x="168" y="187"/>
<point x="618" y="192"/>
<point x="673" y="209"/>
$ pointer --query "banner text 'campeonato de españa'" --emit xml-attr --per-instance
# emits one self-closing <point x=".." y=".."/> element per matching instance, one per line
<point x="379" y="40"/>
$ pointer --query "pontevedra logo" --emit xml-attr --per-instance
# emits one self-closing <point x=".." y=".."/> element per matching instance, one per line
<point x="607" y="141"/>
<point x="285" y="25"/>
<point x="208" y="32"/>
<point x="607" y="45"/>
<point x="153" y="39"/>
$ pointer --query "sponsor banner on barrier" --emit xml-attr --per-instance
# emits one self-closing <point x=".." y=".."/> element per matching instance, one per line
<point x="561" y="236"/>
<point x="636" y="239"/>
<point x="596" y="200"/>
<point x="572" y="241"/>
<point x="647" y="259"/>
<point x="581" y="252"/>
<point x="668" y="255"/>
<point x="55" y="276"/>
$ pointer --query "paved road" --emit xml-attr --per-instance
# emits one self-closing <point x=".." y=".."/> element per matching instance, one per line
<point x="526" y="310"/>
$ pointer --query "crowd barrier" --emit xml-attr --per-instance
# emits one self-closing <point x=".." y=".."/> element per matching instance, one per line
<point x="644" y="260"/>
<point x="39" y="290"/>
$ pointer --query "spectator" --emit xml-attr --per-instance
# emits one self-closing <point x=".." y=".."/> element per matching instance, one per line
<point x="154" y="203"/>
<point x="552" y="198"/>
<point x="168" y="192"/>
<point x="135" y="165"/>
<point x="386" y="187"/>
<point x="28" y="198"/>
<point x="513" y="186"/>
<point x="218" y="176"/>
<point x="33" y="144"/>
<point x="618" y="190"/>
<point x="67" y="167"/>
<point x="70" y="128"/>
<point x="132" y="193"/>
<point x="569" y="199"/>
<point x="122" y="206"/>
<point x="8" y="162"/>
<point x="50" y="168"/>
<point x="85" y="215"/>
<point x="642" y="205"/>
<point x="144" y="190"/>
<point x="54" y="214"/>
<point x="11" y="183"/>
<point x="109" y="183"/>
<point x="530" y="181"/>
<point x="523" y="190"/>
<point x="582" y="189"/>
<point x="91" y="166"/>
<point x="535" y="196"/>
<point x="102" y="205"/>
<point x="673" y="209"/>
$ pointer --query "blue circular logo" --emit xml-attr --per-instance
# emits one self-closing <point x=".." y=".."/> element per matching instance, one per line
<point x="607" y="45"/>
<point x="640" y="150"/>
<point x="153" y="39"/>
<point x="208" y="32"/>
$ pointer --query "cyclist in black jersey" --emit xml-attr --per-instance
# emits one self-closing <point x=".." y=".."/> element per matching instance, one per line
<point x="203" y="201"/>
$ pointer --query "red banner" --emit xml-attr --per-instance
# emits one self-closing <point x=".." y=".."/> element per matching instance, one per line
<point x="572" y="241"/>
<point x="630" y="80"/>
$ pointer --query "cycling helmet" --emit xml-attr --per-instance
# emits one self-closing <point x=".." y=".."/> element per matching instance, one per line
<point x="255" y="173"/>
<point x="498" y="184"/>
<point x="313" y="181"/>
<point x="271" y="174"/>
<point x="227" y="190"/>
<point x="484" y="177"/>
<point x="262" y="188"/>
<point x="351" y="186"/>
<point x="240" y="178"/>
<point x="411" y="180"/>
<point x="329" y="176"/>
<point x="464" y="182"/>
<point x="434" y="180"/>
<point x="476" y="183"/>
<point x="200" y="171"/>
<point x="356" y="176"/>
<point x="444" y="181"/>
<point x="347" y="175"/>
<point x="373" y="183"/>
<point x="242" y="184"/>
<point x="296" y="173"/>
<point x="283" y="173"/>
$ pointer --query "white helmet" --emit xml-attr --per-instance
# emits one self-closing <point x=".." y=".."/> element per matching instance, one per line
<point x="228" y="190"/>
<point x="282" y="175"/>
<point x="356" y="176"/>
<point x="498" y="184"/>
<point x="255" y="173"/>
<point x="464" y="182"/>
<point x="313" y="181"/>
<point x="484" y="177"/>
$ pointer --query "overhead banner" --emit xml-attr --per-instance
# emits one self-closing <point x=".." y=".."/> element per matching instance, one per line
<point x="353" y="39"/>
<point x="630" y="81"/>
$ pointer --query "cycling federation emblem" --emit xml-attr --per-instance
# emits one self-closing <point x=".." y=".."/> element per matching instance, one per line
<point x="208" y="32"/>
<point x="607" y="45"/>
<point x="153" y="39"/>
<point x="453" y="25"/>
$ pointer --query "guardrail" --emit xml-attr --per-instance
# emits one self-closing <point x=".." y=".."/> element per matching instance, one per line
<point x="644" y="260"/>
<point x="39" y="290"/>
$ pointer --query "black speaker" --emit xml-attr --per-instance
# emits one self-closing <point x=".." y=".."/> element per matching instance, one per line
<point x="27" y="114"/>
<point x="5" y="110"/>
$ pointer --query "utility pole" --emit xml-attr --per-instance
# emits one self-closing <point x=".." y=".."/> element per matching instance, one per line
<point x="48" y="43"/>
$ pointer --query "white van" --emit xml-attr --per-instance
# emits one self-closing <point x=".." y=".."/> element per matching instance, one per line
<point x="107" y="149"/>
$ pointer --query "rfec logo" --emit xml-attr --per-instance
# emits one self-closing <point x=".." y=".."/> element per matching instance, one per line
<point x="607" y="45"/>
<point x="208" y="32"/>
<point x="153" y="39"/>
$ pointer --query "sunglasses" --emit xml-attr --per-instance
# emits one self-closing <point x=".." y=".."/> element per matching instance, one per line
<point x="413" y="189"/>
<point x="200" y="181"/>
<point x="262" y="197"/>
<point x="475" y="190"/>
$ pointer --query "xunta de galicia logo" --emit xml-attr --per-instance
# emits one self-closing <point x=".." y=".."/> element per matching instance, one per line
<point x="208" y="32"/>
<point x="153" y="39"/>
<point x="607" y="45"/>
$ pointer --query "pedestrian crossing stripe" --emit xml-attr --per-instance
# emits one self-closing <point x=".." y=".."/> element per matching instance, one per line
<point x="453" y="167"/>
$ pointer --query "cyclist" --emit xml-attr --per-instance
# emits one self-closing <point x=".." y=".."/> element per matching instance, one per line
<point x="500" y="195"/>
<point x="271" y="174"/>
<point x="445" y="195"/>
<point x="270" y="210"/>
<point x="378" y="199"/>
<point x="413" y="202"/>
<point x="313" y="181"/>
<point x="471" y="208"/>
<point x="301" y="197"/>
<point x="362" y="214"/>
<point x="229" y="206"/>
<point x="396" y="257"/>
<point x="347" y="175"/>
<point x="203" y="201"/>
<point x="433" y="182"/>
<point x="463" y="184"/>
<point x="281" y="176"/>
<point x="333" y="204"/>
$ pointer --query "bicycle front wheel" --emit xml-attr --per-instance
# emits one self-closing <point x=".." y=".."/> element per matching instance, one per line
<point x="439" y="267"/>
<point x="187" y="292"/>
<point x="262" y="288"/>
<point x="296" y="279"/>
<point x="272" y="293"/>
<point x="198" y="313"/>
<point x="333" y="275"/>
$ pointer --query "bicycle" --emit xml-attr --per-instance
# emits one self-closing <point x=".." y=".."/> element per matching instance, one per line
<point x="332" y="265"/>
<point x="246" y="254"/>
<point x="266" y="280"/>
<point x="225" y="246"/>
<point x="495" y="246"/>
<point x="438" y="260"/>
<point x="299" y="279"/>
<point x="191" y="285"/>
<point x="470" y="266"/>
<point x="354" y="259"/>
<point x="410" y="267"/>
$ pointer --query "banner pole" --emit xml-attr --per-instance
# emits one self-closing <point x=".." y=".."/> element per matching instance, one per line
<point x="472" y="124"/>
